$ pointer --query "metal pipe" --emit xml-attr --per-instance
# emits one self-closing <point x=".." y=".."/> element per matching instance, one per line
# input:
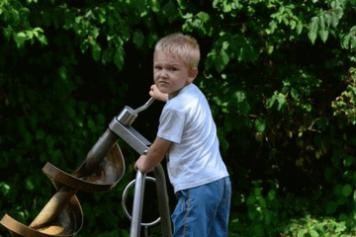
<point x="122" y="127"/>
<point x="130" y="136"/>
<point x="127" y="116"/>
<point x="137" y="206"/>
<point x="97" y="153"/>
<point x="145" y="106"/>
<point x="163" y="201"/>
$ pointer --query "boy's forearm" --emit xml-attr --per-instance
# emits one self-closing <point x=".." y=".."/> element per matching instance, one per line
<point x="151" y="160"/>
<point x="155" y="155"/>
<point x="157" y="151"/>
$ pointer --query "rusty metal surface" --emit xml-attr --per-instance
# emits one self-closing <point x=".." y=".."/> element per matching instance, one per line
<point x="103" y="168"/>
<point x="102" y="178"/>
<point x="62" y="216"/>
<point x="67" y="223"/>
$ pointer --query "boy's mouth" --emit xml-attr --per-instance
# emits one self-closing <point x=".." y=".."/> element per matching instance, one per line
<point x="163" y="83"/>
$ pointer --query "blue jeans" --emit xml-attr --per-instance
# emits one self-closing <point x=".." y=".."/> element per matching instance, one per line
<point x="203" y="211"/>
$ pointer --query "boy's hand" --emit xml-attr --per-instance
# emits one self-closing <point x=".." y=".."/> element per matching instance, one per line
<point x="157" y="94"/>
<point x="147" y="162"/>
<point x="142" y="164"/>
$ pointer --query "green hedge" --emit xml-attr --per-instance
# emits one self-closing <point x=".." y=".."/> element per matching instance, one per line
<point x="280" y="77"/>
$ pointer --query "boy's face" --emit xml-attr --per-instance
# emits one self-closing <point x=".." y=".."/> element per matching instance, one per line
<point x="170" y="73"/>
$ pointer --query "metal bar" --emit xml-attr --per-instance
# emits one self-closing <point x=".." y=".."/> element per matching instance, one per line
<point x="145" y="106"/>
<point x="137" y="206"/>
<point x="130" y="136"/>
<point x="163" y="201"/>
<point x="141" y="144"/>
<point x="97" y="153"/>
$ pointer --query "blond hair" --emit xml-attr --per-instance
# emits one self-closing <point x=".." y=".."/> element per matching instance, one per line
<point x="184" y="46"/>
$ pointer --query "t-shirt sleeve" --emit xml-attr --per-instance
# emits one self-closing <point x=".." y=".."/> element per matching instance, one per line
<point x="171" y="125"/>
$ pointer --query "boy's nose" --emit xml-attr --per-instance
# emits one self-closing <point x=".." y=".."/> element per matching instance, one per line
<point x="163" y="74"/>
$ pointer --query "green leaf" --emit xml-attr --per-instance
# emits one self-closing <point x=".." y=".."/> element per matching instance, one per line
<point x="324" y="35"/>
<point x="281" y="98"/>
<point x="260" y="125"/>
<point x="301" y="233"/>
<point x="119" y="58"/>
<point x="323" y="29"/>
<point x="313" y="233"/>
<point x="346" y="190"/>
<point x="8" y="31"/>
<point x="20" y="38"/>
<point x="96" y="51"/>
<point x="155" y="5"/>
<point x="42" y="39"/>
<point x="29" y="184"/>
<point x="299" y="27"/>
<point x="348" y="161"/>
<point x="4" y="188"/>
<point x="328" y="20"/>
<point x="349" y="40"/>
<point x="277" y="98"/>
<point x="222" y="60"/>
<point x="203" y="16"/>
<point x="313" y="29"/>
<point x="242" y="105"/>
<point x="240" y="96"/>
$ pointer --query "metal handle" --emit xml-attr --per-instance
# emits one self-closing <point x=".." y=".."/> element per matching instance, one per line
<point x="137" y="206"/>
<point x="145" y="106"/>
<point x="124" y="198"/>
<point x="128" y="115"/>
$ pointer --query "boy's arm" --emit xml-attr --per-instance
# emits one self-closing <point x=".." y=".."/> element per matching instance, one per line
<point x="155" y="155"/>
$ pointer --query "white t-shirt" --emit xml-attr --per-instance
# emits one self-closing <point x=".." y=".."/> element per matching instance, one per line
<point x="194" y="158"/>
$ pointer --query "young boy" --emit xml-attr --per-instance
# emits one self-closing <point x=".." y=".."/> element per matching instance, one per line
<point x="187" y="134"/>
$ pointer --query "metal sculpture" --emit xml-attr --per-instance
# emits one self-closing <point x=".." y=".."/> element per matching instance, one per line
<point x="102" y="169"/>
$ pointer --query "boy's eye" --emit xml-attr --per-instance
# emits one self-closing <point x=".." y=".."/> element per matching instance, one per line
<point x="157" y="67"/>
<point x="172" y="69"/>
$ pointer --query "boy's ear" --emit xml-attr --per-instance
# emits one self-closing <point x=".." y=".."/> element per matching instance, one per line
<point x="192" y="73"/>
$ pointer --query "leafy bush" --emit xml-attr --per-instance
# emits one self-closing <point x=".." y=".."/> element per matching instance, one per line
<point x="279" y="75"/>
<point x="312" y="227"/>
